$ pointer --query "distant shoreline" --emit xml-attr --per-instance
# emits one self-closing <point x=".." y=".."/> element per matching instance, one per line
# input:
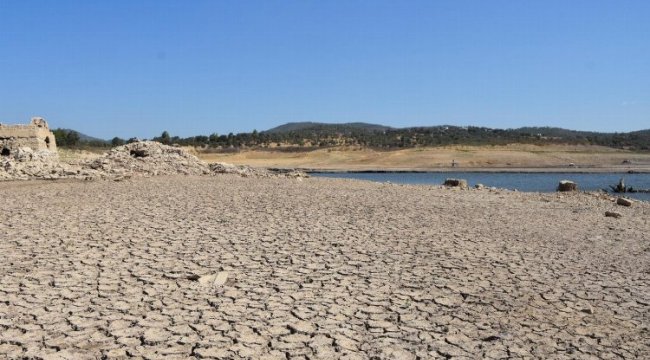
<point x="515" y="158"/>
<point x="479" y="170"/>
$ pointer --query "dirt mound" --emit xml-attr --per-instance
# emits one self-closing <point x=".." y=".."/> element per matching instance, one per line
<point x="148" y="158"/>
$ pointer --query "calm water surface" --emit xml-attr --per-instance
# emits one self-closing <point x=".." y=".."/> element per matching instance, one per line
<point x="537" y="182"/>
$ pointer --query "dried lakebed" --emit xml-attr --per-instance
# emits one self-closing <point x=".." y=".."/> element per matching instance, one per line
<point x="230" y="267"/>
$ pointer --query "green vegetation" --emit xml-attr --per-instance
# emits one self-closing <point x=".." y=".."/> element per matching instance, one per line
<point x="310" y="135"/>
<point x="67" y="138"/>
<point x="306" y="136"/>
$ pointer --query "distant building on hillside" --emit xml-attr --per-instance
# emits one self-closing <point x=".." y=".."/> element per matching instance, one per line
<point x="36" y="136"/>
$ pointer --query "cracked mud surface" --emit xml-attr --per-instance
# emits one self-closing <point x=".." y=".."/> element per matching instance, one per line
<point x="317" y="269"/>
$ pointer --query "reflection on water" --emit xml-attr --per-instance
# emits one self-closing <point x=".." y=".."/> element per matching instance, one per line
<point x="538" y="182"/>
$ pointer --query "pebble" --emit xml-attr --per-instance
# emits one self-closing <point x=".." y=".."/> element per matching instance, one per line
<point x="613" y="214"/>
<point x="624" y="202"/>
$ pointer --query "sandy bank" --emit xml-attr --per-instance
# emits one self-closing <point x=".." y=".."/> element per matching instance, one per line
<point x="317" y="268"/>
<point x="511" y="158"/>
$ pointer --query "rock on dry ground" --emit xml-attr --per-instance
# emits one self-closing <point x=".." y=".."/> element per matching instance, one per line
<point x="234" y="268"/>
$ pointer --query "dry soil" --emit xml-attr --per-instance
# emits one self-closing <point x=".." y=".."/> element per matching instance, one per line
<point x="231" y="267"/>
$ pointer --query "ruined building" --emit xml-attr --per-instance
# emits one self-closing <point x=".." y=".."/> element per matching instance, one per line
<point x="36" y="136"/>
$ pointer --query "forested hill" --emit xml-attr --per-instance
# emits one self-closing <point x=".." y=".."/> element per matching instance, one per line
<point x="82" y="137"/>
<point x="386" y="137"/>
<point x="308" y="135"/>
<point x="72" y="138"/>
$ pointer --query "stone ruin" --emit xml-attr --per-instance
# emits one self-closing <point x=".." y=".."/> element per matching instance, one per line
<point x="35" y="136"/>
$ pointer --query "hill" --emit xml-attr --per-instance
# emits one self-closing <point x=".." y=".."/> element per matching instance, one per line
<point x="325" y="128"/>
<point x="299" y="136"/>
<point x="379" y="136"/>
<point x="73" y="138"/>
<point x="83" y="137"/>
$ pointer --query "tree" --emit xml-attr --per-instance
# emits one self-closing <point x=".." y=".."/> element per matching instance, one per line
<point x="117" y="141"/>
<point x="72" y="138"/>
<point x="61" y="136"/>
<point x="66" y="138"/>
<point x="165" y="138"/>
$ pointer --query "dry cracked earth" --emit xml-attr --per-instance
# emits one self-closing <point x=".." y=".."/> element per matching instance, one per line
<point x="243" y="268"/>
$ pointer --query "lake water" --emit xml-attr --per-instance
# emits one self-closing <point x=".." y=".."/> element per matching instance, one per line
<point x="536" y="182"/>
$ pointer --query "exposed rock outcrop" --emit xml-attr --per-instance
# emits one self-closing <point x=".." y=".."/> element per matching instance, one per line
<point x="246" y="171"/>
<point x="138" y="159"/>
<point x="148" y="158"/>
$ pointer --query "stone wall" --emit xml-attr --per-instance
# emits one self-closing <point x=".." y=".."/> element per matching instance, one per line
<point x="36" y="136"/>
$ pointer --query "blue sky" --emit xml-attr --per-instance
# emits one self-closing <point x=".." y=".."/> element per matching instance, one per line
<point x="136" y="68"/>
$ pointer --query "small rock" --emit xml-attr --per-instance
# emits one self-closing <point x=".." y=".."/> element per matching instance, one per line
<point x="221" y="279"/>
<point x="613" y="214"/>
<point x="460" y="183"/>
<point x="217" y="280"/>
<point x="624" y="202"/>
<point x="567" y="185"/>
